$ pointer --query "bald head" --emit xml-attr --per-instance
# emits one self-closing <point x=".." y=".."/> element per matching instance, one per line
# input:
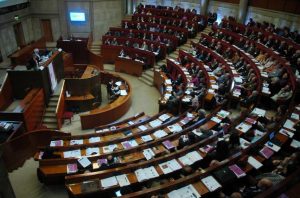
<point x="265" y="183"/>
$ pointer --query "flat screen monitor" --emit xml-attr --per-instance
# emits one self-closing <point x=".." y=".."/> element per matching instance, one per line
<point x="77" y="16"/>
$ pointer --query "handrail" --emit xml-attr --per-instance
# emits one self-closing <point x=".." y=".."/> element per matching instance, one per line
<point x="59" y="99"/>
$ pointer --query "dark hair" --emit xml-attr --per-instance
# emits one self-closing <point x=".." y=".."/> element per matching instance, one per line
<point x="222" y="150"/>
<point x="234" y="139"/>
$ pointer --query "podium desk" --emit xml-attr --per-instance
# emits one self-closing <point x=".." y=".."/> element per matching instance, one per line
<point x="80" y="103"/>
<point x="129" y="66"/>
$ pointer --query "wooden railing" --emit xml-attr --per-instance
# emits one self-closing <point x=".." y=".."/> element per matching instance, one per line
<point x="18" y="150"/>
<point x="60" y="108"/>
<point x="6" y="95"/>
<point x="94" y="59"/>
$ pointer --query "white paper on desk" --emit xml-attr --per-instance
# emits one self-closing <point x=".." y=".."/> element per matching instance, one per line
<point x="159" y="134"/>
<point x="212" y="91"/>
<point x="216" y="120"/>
<point x="295" y="116"/>
<point x="94" y="139"/>
<point x="164" y="117"/>
<point x="223" y="113"/>
<point x="56" y="143"/>
<point x="140" y="175"/>
<point x="142" y="127"/>
<point x="123" y="93"/>
<point x="238" y="79"/>
<point x="169" y="88"/>
<point x="243" y="127"/>
<point x="289" y="124"/>
<point x="146" y="138"/>
<point x="93" y="151"/>
<point x="198" y="133"/>
<point x="118" y="83"/>
<point x="133" y="143"/>
<point x="295" y="144"/>
<point x="175" y="128"/>
<point x="174" y="165"/>
<point x="194" y="156"/>
<point x="123" y="180"/>
<point x="155" y="123"/>
<point x="108" y="182"/>
<point x="109" y="148"/>
<point x="148" y="153"/>
<point x="244" y="143"/>
<point x="168" y="81"/>
<point x="151" y="172"/>
<point x="186" y="99"/>
<point x="84" y="162"/>
<point x="254" y="163"/>
<point x="185" y="160"/>
<point x="215" y="86"/>
<point x="286" y="133"/>
<point x="274" y="147"/>
<point x="76" y="142"/>
<point x="188" y="192"/>
<point x="211" y="183"/>
<point x="165" y="168"/>
<point x="167" y="96"/>
<point x="130" y="123"/>
<point x="73" y="153"/>
<point x="259" y="112"/>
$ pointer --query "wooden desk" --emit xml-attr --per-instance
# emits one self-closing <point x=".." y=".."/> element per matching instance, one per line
<point x="129" y="66"/>
<point x="110" y="112"/>
<point x="84" y="103"/>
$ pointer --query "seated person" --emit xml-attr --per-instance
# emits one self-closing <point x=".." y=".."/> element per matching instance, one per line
<point x="49" y="153"/>
<point x="284" y="94"/>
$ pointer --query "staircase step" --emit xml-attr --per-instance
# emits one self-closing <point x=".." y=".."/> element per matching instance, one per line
<point x="146" y="81"/>
<point x="149" y="73"/>
<point x="51" y="109"/>
<point x="174" y="56"/>
<point x="50" y="126"/>
<point x="49" y="115"/>
<point x="148" y="78"/>
<point x="50" y="120"/>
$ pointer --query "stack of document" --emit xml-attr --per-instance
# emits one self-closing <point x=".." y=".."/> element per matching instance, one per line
<point x="159" y="134"/>
<point x="211" y="183"/>
<point x="109" y="148"/>
<point x="168" y="81"/>
<point x="244" y="143"/>
<point x="236" y="92"/>
<point x="109" y="182"/>
<point x="286" y="132"/>
<point x="295" y="144"/>
<point x="223" y="113"/>
<point x="84" y="162"/>
<point x="272" y="146"/>
<point x="147" y="138"/>
<point x="186" y="192"/>
<point x="254" y="163"/>
<point x="289" y="124"/>
<point x="266" y="152"/>
<point x="169" y="145"/>
<point x="142" y="127"/>
<point x="216" y="120"/>
<point x="174" y="128"/>
<point x="93" y="151"/>
<point x="73" y="153"/>
<point x="123" y="93"/>
<point x="122" y="180"/>
<point x="129" y="144"/>
<point x="94" y="139"/>
<point x="56" y="143"/>
<point x="170" y="166"/>
<point x="243" y="127"/>
<point x="118" y="83"/>
<point x="164" y="117"/>
<point x="190" y="158"/>
<point x="295" y="116"/>
<point x="259" y="112"/>
<point x="146" y="173"/>
<point x="76" y="142"/>
<point x="155" y="123"/>
<point x="237" y="171"/>
<point x="148" y="153"/>
<point x="72" y="168"/>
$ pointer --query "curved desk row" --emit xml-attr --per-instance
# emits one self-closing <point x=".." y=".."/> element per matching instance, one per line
<point x="110" y="112"/>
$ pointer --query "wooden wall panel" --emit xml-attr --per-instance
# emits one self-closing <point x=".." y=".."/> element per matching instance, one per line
<point x="290" y="6"/>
